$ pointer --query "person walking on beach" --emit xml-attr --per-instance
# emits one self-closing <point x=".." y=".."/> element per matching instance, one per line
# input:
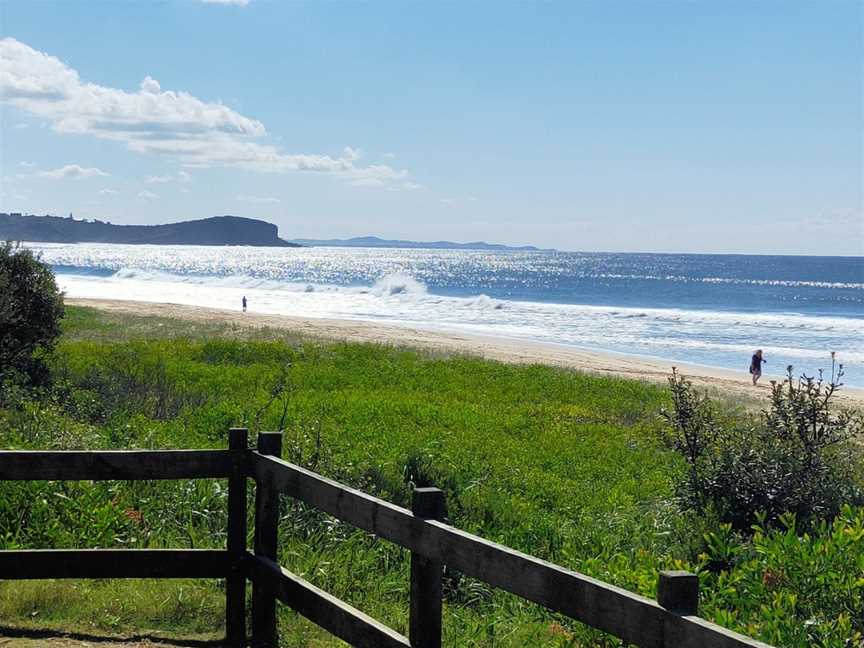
<point x="244" y="310"/>
<point x="756" y="365"/>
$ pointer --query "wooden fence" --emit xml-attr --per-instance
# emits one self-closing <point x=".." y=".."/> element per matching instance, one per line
<point x="668" y="622"/>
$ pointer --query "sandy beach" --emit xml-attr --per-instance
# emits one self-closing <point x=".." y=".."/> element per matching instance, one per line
<point x="720" y="381"/>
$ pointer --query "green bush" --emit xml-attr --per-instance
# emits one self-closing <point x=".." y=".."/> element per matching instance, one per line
<point x="31" y="308"/>
<point x="561" y="465"/>
<point x="796" y="458"/>
<point x="810" y="587"/>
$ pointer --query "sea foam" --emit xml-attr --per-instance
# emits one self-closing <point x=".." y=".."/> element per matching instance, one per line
<point x="590" y="301"/>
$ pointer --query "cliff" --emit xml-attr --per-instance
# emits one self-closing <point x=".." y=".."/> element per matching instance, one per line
<point x="218" y="230"/>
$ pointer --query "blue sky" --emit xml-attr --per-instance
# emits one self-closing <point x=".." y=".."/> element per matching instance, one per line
<point x="655" y="126"/>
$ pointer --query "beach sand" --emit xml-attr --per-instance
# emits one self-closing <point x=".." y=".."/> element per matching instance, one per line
<point x="720" y="382"/>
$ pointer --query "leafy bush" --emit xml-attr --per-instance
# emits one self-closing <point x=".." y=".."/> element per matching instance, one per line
<point x="31" y="308"/>
<point x="810" y="587"/>
<point x="796" y="458"/>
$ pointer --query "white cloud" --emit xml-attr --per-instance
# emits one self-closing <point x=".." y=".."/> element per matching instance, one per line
<point x="235" y="3"/>
<point x="410" y="186"/>
<point x="182" y="176"/>
<point x="109" y="192"/>
<point x="27" y="165"/>
<point x="261" y="200"/>
<point x="154" y="121"/>
<point x="71" y="171"/>
<point x="149" y="195"/>
<point x="21" y="126"/>
<point x="367" y="182"/>
<point x="389" y="156"/>
<point x="158" y="179"/>
<point x="374" y="175"/>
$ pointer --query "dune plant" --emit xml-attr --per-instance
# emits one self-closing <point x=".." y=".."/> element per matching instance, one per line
<point x="796" y="457"/>
<point x="558" y="464"/>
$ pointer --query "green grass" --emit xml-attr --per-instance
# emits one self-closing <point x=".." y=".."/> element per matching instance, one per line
<point x="562" y="465"/>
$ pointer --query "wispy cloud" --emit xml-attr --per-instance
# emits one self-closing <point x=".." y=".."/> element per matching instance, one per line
<point x="261" y="200"/>
<point x="389" y="156"/>
<point x="158" y="179"/>
<point x="147" y="195"/>
<point x="27" y="165"/>
<point x="235" y="3"/>
<point x="154" y="121"/>
<point x="409" y="186"/>
<point x="181" y="176"/>
<point x="108" y="192"/>
<point x="71" y="171"/>
<point x="837" y="217"/>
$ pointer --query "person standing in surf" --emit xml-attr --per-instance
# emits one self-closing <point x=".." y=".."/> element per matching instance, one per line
<point x="756" y="365"/>
<point x="244" y="305"/>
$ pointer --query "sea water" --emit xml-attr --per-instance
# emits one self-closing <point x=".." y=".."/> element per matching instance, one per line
<point x="713" y="310"/>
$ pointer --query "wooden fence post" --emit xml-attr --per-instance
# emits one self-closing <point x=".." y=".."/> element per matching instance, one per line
<point x="235" y="584"/>
<point x="264" y="633"/>
<point x="678" y="591"/>
<point x="425" y="615"/>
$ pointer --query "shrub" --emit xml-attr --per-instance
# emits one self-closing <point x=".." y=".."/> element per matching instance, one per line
<point x="802" y="590"/>
<point x="795" y="458"/>
<point x="31" y="308"/>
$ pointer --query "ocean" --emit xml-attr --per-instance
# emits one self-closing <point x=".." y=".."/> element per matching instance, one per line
<point x="713" y="310"/>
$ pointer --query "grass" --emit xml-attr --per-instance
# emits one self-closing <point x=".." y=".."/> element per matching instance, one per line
<point x="562" y="465"/>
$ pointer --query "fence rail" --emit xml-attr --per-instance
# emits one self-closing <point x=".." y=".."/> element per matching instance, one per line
<point x="671" y="621"/>
<point x="102" y="465"/>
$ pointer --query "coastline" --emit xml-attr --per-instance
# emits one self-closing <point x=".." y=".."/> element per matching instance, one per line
<point x="722" y="382"/>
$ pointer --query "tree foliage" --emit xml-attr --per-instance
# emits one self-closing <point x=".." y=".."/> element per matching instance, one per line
<point x="31" y="307"/>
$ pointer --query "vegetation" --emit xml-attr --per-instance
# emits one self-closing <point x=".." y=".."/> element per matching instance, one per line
<point x="798" y="457"/>
<point x="30" y="313"/>
<point x="565" y="466"/>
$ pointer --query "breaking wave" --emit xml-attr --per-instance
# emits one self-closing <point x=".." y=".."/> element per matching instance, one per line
<point x="598" y="302"/>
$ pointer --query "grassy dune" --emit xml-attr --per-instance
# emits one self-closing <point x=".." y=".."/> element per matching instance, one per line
<point x="558" y="464"/>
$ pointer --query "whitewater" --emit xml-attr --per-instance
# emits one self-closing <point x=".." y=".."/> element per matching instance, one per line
<point x="712" y="310"/>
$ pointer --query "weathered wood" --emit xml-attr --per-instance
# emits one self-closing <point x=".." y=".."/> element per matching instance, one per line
<point x="264" y="634"/>
<point x="235" y="585"/>
<point x="694" y="632"/>
<point x="425" y="603"/>
<point x="678" y="591"/>
<point x="98" y="465"/>
<point x="635" y="619"/>
<point x="27" y="564"/>
<point x="335" y="616"/>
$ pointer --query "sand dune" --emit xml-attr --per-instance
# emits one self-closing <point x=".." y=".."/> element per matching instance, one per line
<point x="720" y="381"/>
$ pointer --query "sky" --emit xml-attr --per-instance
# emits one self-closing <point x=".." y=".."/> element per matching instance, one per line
<point x="608" y="126"/>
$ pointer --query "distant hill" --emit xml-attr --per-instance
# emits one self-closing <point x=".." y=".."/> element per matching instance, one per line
<point x="218" y="230"/>
<point x="374" y="241"/>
